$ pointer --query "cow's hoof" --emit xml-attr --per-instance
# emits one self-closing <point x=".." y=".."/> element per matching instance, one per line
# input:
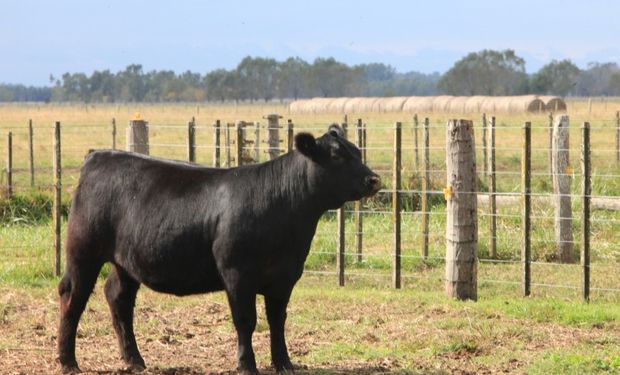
<point x="285" y="368"/>
<point x="71" y="368"/>
<point x="247" y="372"/>
<point x="136" y="367"/>
<point x="289" y="368"/>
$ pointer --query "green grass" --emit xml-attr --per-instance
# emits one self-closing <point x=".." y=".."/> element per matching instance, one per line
<point x="366" y="324"/>
<point x="32" y="207"/>
<point x="363" y="326"/>
<point x="413" y="326"/>
<point x="575" y="362"/>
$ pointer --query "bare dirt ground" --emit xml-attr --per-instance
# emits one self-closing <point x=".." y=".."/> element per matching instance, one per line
<point x="327" y="334"/>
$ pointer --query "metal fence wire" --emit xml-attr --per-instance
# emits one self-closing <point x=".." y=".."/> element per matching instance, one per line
<point x="359" y="241"/>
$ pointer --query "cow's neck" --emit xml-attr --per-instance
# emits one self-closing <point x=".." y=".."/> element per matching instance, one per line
<point x="287" y="181"/>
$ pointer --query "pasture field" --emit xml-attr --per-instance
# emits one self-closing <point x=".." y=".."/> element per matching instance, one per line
<point x="360" y="329"/>
<point x="364" y="327"/>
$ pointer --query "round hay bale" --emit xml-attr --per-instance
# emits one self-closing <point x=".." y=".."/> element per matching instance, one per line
<point x="393" y="104"/>
<point x="418" y="104"/>
<point x="377" y="105"/>
<point x="337" y="105"/>
<point x="319" y="105"/>
<point x="536" y="105"/>
<point x="457" y="104"/>
<point x="298" y="106"/>
<point x="366" y="104"/>
<point x="502" y="103"/>
<point x="553" y="103"/>
<point x="351" y="105"/>
<point x="440" y="103"/>
<point x="487" y="104"/>
<point x="473" y="104"/>
<point x="525" y="103"/>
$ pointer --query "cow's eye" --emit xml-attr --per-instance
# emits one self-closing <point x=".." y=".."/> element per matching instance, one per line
<point x="336" y="157"/>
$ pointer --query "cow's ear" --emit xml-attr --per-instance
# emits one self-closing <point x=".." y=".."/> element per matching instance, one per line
<point x="306" y="144"/>
<point x="336" y="131"/>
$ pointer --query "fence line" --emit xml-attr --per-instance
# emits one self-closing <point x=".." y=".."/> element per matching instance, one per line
<point x="406" y="198"/>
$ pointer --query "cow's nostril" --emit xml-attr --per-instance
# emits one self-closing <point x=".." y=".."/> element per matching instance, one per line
<point x="374" y="180"/>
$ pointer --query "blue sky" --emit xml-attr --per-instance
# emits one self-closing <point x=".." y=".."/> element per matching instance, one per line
<point x="39" y="38"/>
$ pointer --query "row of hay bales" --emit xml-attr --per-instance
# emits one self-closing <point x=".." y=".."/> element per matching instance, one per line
<point x="444" y="103"/>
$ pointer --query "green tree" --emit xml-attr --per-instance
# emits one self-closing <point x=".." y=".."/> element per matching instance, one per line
<point x="257" y="77"/>
<point x="414" y="83"/>
<point x="132" y="83"/>
<point x="221" y="85"/>
<point x="102" y="86"/>
<point x="378" y="79"/>
<point x="614" y="84"/>
<point x="555" y="78"/>
<point x="486" y="72"/>
<point x="330" y="78"/>
<point x="292" y="78"/>
<point x="595" y="80"/>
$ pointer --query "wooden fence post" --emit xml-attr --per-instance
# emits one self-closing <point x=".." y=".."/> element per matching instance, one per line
<point x="485" y="150"/>
<point x="551" y="144"/>
<point x="113" y="133"/>
<point x="359" y="205"/>
<point x="462" y="220"/>
<point x="239" y="143"/>
<point x="526" y="186"/>
<point x="227" y="142"/>
<point x="425" y="185"/>
<point x="31" y="152"/>
<point x="56" y="212"/>
<point x="9" y="165"/>
<point x="586" y="191"/>
<point x="562" y="189"/>
<point x="138" y="137"/>
<point x="273" y="134"/>
<point x="216" y="144"/>
<point x="191" y="141"/>
<point x="340" y="260"/>
<point x="364" y="143"/>
<point x="492" y="191"/>
<point x="416" y="158"/>
<point x="289" y="135"/>
<point x="396" y="279"/>
<point x="618" y="137"/>
<point x="257" y="142"/>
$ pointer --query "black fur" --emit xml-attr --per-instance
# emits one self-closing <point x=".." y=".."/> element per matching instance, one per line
<point x="184" y="229"/>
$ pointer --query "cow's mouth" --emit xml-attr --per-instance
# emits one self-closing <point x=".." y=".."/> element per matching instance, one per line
<point x="374" y="185"/>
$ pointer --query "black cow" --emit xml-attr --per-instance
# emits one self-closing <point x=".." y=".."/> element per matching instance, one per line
<point x="184" y="229"/>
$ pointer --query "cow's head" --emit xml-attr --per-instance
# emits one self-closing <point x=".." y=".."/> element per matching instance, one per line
<point x="337" y="167"/>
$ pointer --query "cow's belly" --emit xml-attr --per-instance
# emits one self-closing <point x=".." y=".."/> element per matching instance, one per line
<point x="193" y="283"/>
<point x="180" y="273"/>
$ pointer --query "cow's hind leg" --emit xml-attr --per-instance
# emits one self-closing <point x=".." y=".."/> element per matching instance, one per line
<point x="74" y="290"/>
<point x="120" y="291"/>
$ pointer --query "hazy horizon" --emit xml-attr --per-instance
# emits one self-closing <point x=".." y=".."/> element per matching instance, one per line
<point x="428" y="37"/>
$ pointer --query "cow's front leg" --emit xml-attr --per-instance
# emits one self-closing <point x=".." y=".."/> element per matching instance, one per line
<point x="242" y="300"/>
<point x="276" y="315"/>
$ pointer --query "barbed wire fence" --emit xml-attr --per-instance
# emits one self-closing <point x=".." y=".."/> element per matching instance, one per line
<point x="359" y="243"/>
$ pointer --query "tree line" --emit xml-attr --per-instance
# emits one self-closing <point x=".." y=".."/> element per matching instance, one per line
<point x="486" y="72"/>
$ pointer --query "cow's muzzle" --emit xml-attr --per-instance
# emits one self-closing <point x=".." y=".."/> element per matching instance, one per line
<point x="373" y="185"/>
